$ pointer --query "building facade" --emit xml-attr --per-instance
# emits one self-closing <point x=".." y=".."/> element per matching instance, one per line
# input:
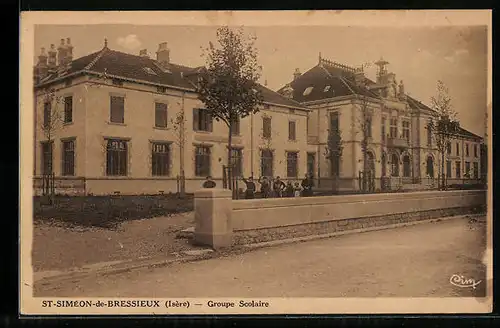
<point x="400" y="144"/>
<point x="112" y="122"/>
<point x="131" y="125"/>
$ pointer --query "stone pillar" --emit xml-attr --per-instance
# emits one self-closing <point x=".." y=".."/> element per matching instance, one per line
<point x="213" y="208"/>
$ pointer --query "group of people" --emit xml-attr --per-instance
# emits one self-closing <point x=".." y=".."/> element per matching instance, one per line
<point x="278" y="188"/>
<point x="270" y="188"/>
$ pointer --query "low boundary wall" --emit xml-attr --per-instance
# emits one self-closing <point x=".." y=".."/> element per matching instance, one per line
<point x="223" y="222"/>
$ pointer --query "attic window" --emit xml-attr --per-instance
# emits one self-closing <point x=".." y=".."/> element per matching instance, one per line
<point x="117" y="82"/>
<point x="307" y="91"/>
<point x="326" y="88"/>
<point x="161" y="89"/>
<point x="149" y="70"/>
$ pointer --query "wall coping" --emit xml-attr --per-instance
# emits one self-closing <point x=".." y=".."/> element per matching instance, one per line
<point x="327" y="200"/>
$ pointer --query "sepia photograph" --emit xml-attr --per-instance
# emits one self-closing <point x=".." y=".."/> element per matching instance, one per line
<point x="256" y="162"/>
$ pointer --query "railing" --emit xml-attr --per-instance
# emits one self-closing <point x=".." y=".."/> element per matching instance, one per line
<point x="397" y="142"/>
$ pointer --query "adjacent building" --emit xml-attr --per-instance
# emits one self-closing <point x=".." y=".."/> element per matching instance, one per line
<point x="112" y="122"/>
<point x="131" y="124"/>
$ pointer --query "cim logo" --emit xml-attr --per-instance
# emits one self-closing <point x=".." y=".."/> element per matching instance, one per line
<point x="463" y="282"/>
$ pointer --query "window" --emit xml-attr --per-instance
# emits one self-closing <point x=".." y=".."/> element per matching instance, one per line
<point x="406" y="166"/>
<point x="406" y="130"/>
<point x="236" y="161"/>
<point x="202" y="120"/>
<point x="368" y="126"/>
<point x="161" y="116"/>
<point x="291" y="130"/>
<point x="393" y="132"/>
<point x="160" y="159"/>
<point x="235" y="127"/>
<point x="161" y="89"/>
<point x="475" y="150"/>
<point x="467" y="170"/>
<point x="266" y="162"/>
<point x="47" y="113"/>
<point x="116" y="157"/>
<point x="334" y="122"/>
<point x="307" y="91"/>
<point x="395" y="165"/>
<point x="335" y="166"/>
<point x="458" y="173"/>
<point x="117" y="114"/>
<point x="47" y="157"/>
<point x="467" y="149"/>
<point x="448" y="169"/>
<point x="68" y="157"/>
<point x="457" y="149"/>
<point x="429" y="133"/>
<point x="291" y="164"/>
<point x="383" y="129"/>
<point x="448" y="147"/>
<point x="149" y="71"/>
<point x="266" y="127"/>
<point x="117" y="82"/>
<point x="311" y="162"/>
<point x="68" y="109"/>
<point x="202" y="161"/>
<point x="476" y="170"/>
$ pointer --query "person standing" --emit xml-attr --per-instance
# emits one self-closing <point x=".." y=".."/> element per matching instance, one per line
<point x="209" y="183"/>
<point x="250" y="188"/>
<point x="278" y="187"/>
<point x="265" y="187"/>
<point x="297" y="190"/>
<point x="307" y="185"/>
<point x="289" y="190"/>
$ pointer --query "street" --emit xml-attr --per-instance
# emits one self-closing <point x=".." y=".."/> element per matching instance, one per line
<point x="414" y="261"/>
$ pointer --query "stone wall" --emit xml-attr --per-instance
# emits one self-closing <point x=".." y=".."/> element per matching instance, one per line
<point x="249" y="221"/>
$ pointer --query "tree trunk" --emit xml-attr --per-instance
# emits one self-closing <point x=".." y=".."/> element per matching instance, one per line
<point x="181" y="162"/>
<point x="442" y="171"/>
<point x="229" y="153"/>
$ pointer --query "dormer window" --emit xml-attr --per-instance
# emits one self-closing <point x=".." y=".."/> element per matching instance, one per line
<point x="149" y="71"/>
<point x="327" y="88"/>
<point x="307" y="91"/>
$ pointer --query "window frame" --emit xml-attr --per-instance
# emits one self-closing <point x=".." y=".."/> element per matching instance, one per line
<point x="163" y="170"/>
<point x="68" y="109"/>
<point x="199" y="171"/>
<point x="237" y="161"/>
<point x="161" y="106"/>
<point x="50" y="162"/>
<point x="292" y="161"/>
<point x="202" y="115"/>
<point x="112" y="109"/>
<point x="122" y="155"/>
<point x="266" y="167"/>
<point x="64" y="159"/>
<point x="267" y="129"/>
<point x="292" y="133"/>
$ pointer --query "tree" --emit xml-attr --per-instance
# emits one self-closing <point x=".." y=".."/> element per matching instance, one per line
<point x="51" y="122"/>
<point x="179" y="127"/>
<point x="333" y="149"/>
<point x="444" y="125"/>
<point x="228" y="85"/>
<point x="363" y="124"/>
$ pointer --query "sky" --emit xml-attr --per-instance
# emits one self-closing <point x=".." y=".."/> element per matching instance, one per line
<point x="420" y="56"/>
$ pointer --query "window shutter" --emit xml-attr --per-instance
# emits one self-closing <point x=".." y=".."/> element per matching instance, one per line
<point x="210" y="121"/>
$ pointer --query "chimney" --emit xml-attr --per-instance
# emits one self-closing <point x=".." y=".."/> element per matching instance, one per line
<point x="61" y="53"/>
<point x="143" y="53"/>
<point x="359" y="77"/>
<point x="163" y="54"/>
<point x="69" y="51"/>
<point x="296" y="74"/>
<point x="52" y="61"/>
<point x="42" y="67"/>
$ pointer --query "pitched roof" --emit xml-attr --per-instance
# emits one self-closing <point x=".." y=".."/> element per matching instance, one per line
<point x="466" y="133"/>
<point x="120" y="64"/>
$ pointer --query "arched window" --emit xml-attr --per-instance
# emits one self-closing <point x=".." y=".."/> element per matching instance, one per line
<point x="406" y="166"/>
<point x="430" y="167"/>
<point x="395" y="165"/>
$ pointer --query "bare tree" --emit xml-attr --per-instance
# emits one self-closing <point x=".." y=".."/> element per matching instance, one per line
<point x="333" y="150"/>
<point x="363" y="124"/>
<point x="444" y="125"/>
<point x="228" y="86"/>
<point x="179" y="127"/>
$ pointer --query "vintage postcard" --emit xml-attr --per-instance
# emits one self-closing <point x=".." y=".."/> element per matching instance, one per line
<point x="319" y="162"/>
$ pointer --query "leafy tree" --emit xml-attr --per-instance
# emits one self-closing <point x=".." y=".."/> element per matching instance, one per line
<point x="444" y="125"/>
<point x="363" y="125"/>
<point x="228" y="85"/>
